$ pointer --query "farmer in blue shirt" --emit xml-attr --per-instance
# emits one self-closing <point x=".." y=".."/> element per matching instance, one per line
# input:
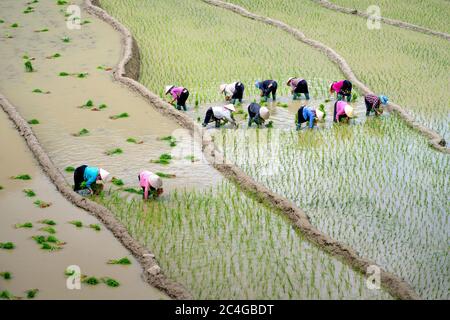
<point x="306" y="114"/>
<point x="85" y="178"/>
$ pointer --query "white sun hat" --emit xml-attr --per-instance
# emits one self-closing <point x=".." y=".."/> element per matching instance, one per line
<point x="155" y="181"/>
<point x="349" y="111"/>
<point x="104" y="175"/>
<point x="167" y="89"/>
<point x="230" y="107"/>
<point x="222" y="87"/>
<point x="289" y="80"/>
<point x="319" y="114"/>
<point x="264" y="113"/>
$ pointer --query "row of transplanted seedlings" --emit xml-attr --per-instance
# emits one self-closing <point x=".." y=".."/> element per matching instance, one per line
<point x="221" y="243"/>
<point x="377" y="187"/>
<point x="379" y="57"/>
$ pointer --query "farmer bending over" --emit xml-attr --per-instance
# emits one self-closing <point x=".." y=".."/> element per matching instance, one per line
<point x="219" y="114"/>
<point x="151" y="184"/>
<point x="233" y="91"/>
<point x="179" y="94"/>
<point x="373" y="104"/>
<point x="298" y="86"/>
<point x="257" y="114"/>
<point x="267" y="87"/>
<point x="342" y="88"/>
<point x="306" y="114"/>
<point x="342" y="111"/>
<point x="85" y="180"/>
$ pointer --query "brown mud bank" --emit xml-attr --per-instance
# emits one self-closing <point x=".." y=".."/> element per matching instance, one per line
<point x="435" y="140"/>
<point x="393" y="22"/>
<point x="152" y="272"/>
<point x="127" y="68"/>
<point x="34" y="268"/>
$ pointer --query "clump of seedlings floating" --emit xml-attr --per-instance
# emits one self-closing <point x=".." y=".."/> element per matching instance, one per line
<point x="165" y="175"/>
<point x="41" y="30"/>
<point x="76" y="223"/>
<point x="49" y="243"/>
<point x="6" y="275"/>
<point x="133" y="190"/>
<point x="65" y="39"/>
<point x="48" y="229"/>
<point x="33" y="121"/>
<point x="61" y="2"/>
<point x="42" y="204"/>
<point x="15" y="25"/>
<point x="104" y="68"/>
<point x="29" y="193"/>
<point x="77" y="75"/>
<point x="37" y="90"/>
<point x="164" y="159"/>
<point x="32" y="293"/>
<point x="119" y="116"/>
<point x="54" y="56"/>
<point x="6" y="295"/>
<point x="135" y="141"/>
<point x="28" y="66"/>
<point x="171" y="140"/>
<point x="83" y="132"/>
<point x="22" y="177"/>
<point x="113" y="151"/>
<point x="117" y="182"/>
<point x="95" y="227"/>
<point x="26" y="225"/>
<point x="47" y="222"/>
<point x="7" y="245"/>
<point x="69" y="169"/>
<point x="93" y="281"/>
<point x="121" y="261"/>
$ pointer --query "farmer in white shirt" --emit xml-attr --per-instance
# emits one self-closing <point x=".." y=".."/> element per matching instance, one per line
<point x="233" y="91"/>
<point x="219" y="114"/>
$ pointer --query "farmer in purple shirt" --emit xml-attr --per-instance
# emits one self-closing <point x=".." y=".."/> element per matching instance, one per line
<point x="179" y="94"/>
<point x="298" y="86"/>
<point x="342" y="111"/>
<point x="342" y="88"/>
<point x="373" y="104"/>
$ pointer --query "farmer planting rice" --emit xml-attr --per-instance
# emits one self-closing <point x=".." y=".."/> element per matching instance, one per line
<point x="233" y="92"/>
<point x="342" y="88"/>
<point x="85" y="179"/>
<point x="342" y="111"/>
<point x="267" y="87"/>
<point x="179" y="94"/>
<point x="298" y="87"/>
<point x="307" y="114"/>
<point x="151" y="184"/>
<point x="373" y="104"/>
<point x="257" y="114"/>
<point x="219" y="114"/>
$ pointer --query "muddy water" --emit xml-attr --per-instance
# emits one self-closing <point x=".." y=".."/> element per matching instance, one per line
<point x="96" y="44"/>
<point x="27" y="260"/>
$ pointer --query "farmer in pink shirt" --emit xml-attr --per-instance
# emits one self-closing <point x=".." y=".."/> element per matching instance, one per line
<point x="151" y="184"/>
<point x="342" y="88"/>
<point x="342" y="111"/>
<point x="179" y="94"/>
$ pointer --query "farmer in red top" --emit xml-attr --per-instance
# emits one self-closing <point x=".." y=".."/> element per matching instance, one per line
<point x="179" y="94"/>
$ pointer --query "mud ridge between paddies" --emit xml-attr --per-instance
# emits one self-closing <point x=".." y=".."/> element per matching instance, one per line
<point x="128" y="67"/>
<point x="152" y="273"/>
<point x="393" y="22"/>
<point x="435" y="140"/>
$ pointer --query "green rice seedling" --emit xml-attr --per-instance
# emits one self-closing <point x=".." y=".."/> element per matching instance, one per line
<point x="171" y="140"/>
<point x="65" y="39"/>
<point x="69" y="169"/>
<point x="53" y="239"/>
<point x="110" y="282"/>
<point x="133" y="190"/>
<point x="102" y="106"/>
<point x="164" y="159"/>
<point x="15" y="25"/>
<point x="41" y="30"/>
<point x="81" y="133"/>
<point x="48" y="229"/>
<point x="22" y="177"/>
<point x="6" y="295"/>
<point x="117" y="182"/>
<point x="54" y="56"/>
<point x="82" y="75"/>
<point x="87" y="104"/>
<point x="28" y="66"/>
<point x="27" y="225"/>
<point x="122" y="261"/>
<point x="84" y="22"/>
<point x="166" y="175"/>
<point x="96" y="227"/>
<point x="28" y="10"/>
<point x="120" y="116"/>
<point x="29" y="193"/>
<point x="104" y="68"/>
<point x="1" y="188"/>
<point x="2" y="21"/>
<point x="76" y="223"/>
<point x="61" y="2"/>
<point x="7" y="245"/>
<point x="92" y="281"/>
<point x="31" y="294"/>
<point x="63" y="74"/>
<point x="32" y="2"/>
<point x="6" y="275"/>
<point x="282" y="105"/>
<point x="33" y="121"/>
<point x="114" y="151"/>
<point x="269" y="124"/>
<point x="135" y="141"/>
<point x="354" y="97"/>
<point x="69" y="273"/>
<point x="42" y="204"/>
<point x="48" y="222"/>
<point x="40" y="91"/>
